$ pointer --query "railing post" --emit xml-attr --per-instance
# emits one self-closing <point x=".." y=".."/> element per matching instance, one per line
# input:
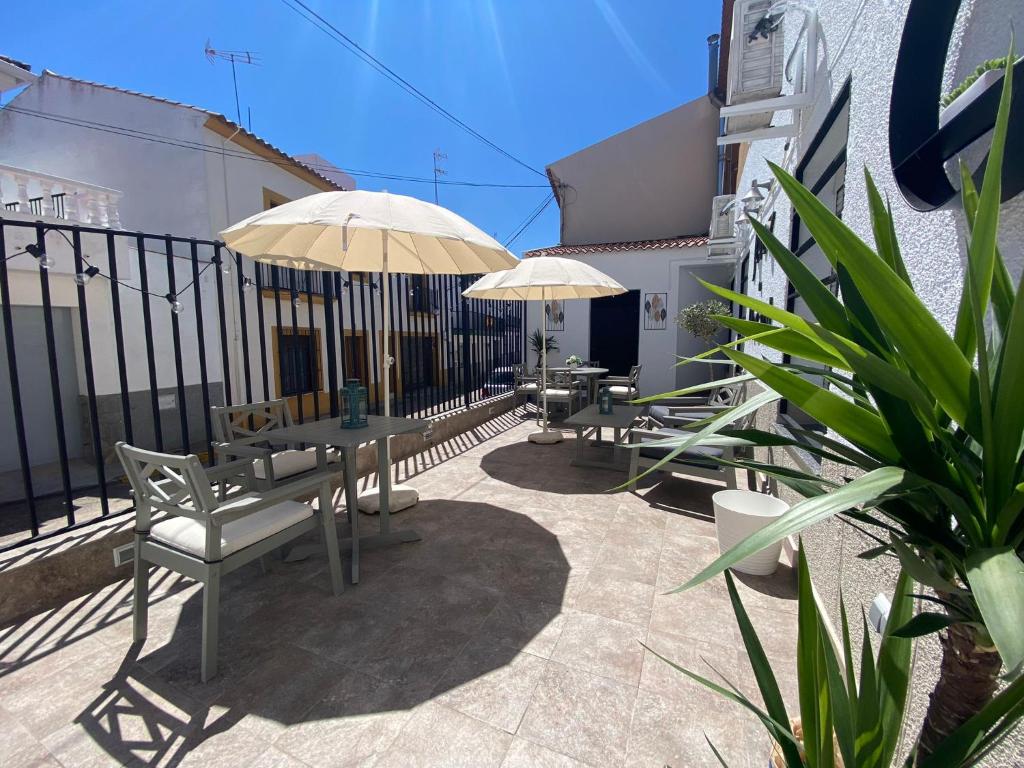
<point x="463" y="312"/>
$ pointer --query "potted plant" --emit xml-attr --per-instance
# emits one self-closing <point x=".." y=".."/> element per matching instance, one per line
<point x="850" y="706"/>
<point x="537" y="343"/>
<point x="929" y="423"/>
<point x="573" y="361"/>
<point x="954" y="102"/>
<point x="700" y="319"/>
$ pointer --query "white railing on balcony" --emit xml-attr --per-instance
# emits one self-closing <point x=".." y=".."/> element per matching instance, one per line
<point x="52" y="197"/>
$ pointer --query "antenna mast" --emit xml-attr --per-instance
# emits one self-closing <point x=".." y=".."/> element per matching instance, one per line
<point x="438" y="170"/>
<point x="242" y="57"/>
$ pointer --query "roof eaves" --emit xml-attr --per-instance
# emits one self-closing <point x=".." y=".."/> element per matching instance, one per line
<point x="683" y="241"/>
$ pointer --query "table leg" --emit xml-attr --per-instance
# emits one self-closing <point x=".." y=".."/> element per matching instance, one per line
<point x="384" y="485"/>
<point x="579" y="444"/>
<point x="351" y="501"/>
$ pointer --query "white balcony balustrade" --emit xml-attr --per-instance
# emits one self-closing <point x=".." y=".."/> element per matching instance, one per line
<point x="43" y="196"/>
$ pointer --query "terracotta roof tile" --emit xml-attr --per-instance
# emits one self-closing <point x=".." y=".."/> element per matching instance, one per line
<point x="684" y="241"/>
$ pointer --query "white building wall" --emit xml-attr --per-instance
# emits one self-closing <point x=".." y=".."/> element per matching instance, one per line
<point x="668" y="271"/>
<point x="863" y="40"/>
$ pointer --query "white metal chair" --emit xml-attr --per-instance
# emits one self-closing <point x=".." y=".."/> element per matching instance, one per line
<point x="698" y="460"/>
<point x="526" y="385"/>
<point x="204" y="537"/>
<point x="244" y="431"/>
<point x="623" y="388"/>
<point x="562" y="389"/>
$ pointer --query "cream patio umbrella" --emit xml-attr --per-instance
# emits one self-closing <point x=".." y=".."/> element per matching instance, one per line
<point x="361" y="231"/>
<point x="545" y="278"/>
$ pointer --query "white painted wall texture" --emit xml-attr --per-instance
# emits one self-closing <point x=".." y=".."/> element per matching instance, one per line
<point x="862" y="40"/>
<point x="670" y="271"/>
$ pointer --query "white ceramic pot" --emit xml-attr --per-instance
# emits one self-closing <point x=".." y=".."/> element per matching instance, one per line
<point x="737" y="515"/>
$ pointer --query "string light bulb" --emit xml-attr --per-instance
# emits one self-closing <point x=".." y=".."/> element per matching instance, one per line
<point x="224" y="264"/>
<point x="45" y="260"/>
<point x="247" y="284"/>
<point x="296" y="299"/>
<point x="83" y="278"/>
<point x="176" y="306"/>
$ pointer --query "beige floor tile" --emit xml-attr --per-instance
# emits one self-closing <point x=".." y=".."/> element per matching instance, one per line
<point x="601" y="646"/>
<point x="581" y="715"/>
<point x="526" y="754"/>
<point x="671" y="732"/>
<point x="660" y="677"/>
<point x="615" y="598"/>
<point x="696" y="614"/>
<point x="491" y="682"/>
<point x="525" y="625"/>
<point x="438" y="737"/>
<point x="357" y="720"/>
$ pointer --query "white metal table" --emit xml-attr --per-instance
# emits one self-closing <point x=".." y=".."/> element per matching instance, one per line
<point x="328" y="433"/>
<point x="584" y="372"/>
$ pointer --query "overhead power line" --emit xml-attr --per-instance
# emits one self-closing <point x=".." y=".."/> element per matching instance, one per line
<point x="314" y="18"/>
<point x="134" y="133"/>
<point x="530" y="218"/>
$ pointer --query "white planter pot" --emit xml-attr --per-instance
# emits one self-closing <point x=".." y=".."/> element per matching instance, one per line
<point x="737" y="515"/>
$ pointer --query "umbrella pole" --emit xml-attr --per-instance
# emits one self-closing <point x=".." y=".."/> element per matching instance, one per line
<point x="544" y="436"/>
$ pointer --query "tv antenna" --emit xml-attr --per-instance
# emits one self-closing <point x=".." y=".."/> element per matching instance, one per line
<point x="438" y="170"/>
<point x="241" y="57"/>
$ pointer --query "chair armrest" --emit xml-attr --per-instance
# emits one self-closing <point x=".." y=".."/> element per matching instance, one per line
<point x="682" y="410"/>
<point x="240" y="468"/>
<point x="240" y="507"/>
<point x="240" y="449"/>
<point x="638" y="435"/>
<point x="683" y="400"/>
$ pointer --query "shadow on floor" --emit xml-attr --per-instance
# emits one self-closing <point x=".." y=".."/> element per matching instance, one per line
<point x="516" y="464"/>
<point x="426" y="618"/>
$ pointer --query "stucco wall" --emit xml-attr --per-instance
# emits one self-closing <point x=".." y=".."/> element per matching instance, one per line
<point x="651" y="181"/>
<point x="668" y="271"/>
<point x="931" y="243"/>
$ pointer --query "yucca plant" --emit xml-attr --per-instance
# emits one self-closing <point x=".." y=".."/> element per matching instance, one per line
<point x="929" y="425"/>
<point x="538" y="342"/>
<point x="851" y="706"/>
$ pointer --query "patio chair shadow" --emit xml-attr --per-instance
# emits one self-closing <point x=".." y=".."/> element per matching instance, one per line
<point x="428" y="619"/>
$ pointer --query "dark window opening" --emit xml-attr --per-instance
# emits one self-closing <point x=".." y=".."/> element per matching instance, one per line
<point x="823" y="171"/>
<point x="299" y="360"/>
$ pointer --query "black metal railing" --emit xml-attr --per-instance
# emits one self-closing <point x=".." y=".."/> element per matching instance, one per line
<point x="111" y="335"/>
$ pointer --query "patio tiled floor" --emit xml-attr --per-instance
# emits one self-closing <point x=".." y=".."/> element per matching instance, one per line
<point x="509" y="636"/>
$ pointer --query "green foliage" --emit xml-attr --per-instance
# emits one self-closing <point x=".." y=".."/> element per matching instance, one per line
<point x="934" y="421"/>
<point x="850" y="706"/>
<point x="700" y="319"/>
<point x="982" y="68"/>
<point x="537" y="342"/>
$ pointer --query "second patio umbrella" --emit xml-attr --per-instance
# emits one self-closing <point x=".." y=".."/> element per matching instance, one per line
<point x="545" y="278"/>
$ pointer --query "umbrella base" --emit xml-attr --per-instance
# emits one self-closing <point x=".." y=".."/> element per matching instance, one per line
<point x="549" y="437"/>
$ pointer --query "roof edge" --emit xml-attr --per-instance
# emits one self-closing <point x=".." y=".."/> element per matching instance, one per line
<point x="682" y="241"/>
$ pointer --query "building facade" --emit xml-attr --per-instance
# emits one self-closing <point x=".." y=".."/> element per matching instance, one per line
<point x="829" y="115"/>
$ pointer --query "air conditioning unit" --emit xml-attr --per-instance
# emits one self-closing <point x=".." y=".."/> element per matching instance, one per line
<point x="760" y="68"/>
<point x="756" y="59"/>
<point x="722" y="232"/>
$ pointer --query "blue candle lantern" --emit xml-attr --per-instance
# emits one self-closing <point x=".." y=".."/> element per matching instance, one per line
<point x="354" y="405"/>
<point x="604" y="401"/>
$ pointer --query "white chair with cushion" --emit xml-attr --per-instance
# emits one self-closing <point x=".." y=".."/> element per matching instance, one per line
<point x="698" y="460"/>
<point x="526" y="385"/>
<point x="204" y="535"/>
<point x="623" y="388"/>
<point x="682" y="411"/>
<point x="562" y="390"/>
<point x="244" y="431"/>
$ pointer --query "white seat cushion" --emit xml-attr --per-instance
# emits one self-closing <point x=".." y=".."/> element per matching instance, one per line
<point x="402" y="497"/>
<point x="559" y="392"/>
<point x="190" y="535"/>
<point x="622" y="390"/>
<point x="529" y="387"/>
<point x="292" y="462"/>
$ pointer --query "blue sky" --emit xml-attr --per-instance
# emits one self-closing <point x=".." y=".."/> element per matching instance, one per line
<point x="540" y="78"/>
